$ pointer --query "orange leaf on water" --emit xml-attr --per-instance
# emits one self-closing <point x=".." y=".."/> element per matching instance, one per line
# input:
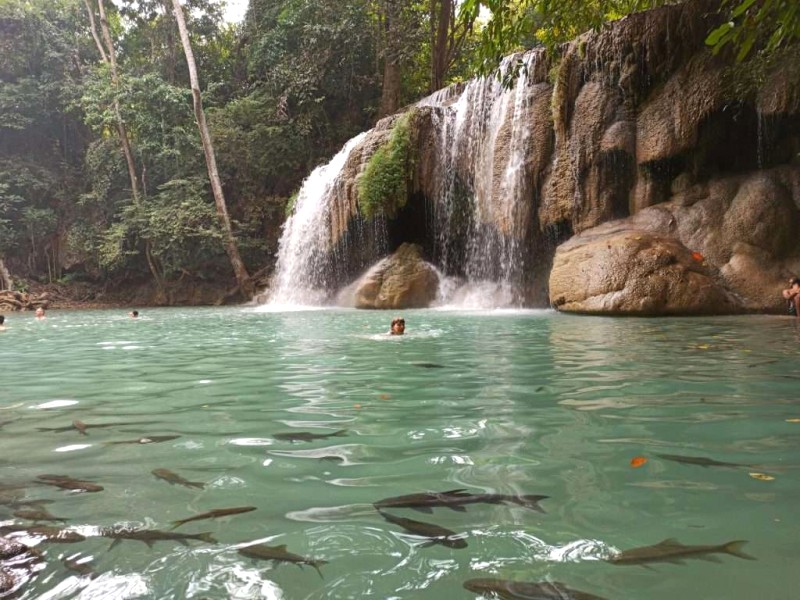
<point x="638" y="461"/>
<point x="384" y="396"/>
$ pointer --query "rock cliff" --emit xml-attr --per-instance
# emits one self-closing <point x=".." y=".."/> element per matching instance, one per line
<point x="598" y="179"/>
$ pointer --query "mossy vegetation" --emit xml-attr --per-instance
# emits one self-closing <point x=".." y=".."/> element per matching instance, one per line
<point x="383" y="187"/>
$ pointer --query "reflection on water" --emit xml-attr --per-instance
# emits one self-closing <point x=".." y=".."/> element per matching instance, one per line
<point x="516" y="402"/>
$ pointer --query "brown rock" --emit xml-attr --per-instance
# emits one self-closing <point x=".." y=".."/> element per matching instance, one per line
<point x="402" y="280"/>
<point x="7" y="581"/>
<point x="11" y="548"/>
<point x="615" y="270"/>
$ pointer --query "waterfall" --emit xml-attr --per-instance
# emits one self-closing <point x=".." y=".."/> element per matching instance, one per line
<point x="484" y="145"/>
<point x="480" y="206"/>
<point x="306" y="242"/>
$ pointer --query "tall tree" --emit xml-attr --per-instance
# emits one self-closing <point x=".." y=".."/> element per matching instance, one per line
<point x="239" y="269"/>
<point x="448" y="34"/>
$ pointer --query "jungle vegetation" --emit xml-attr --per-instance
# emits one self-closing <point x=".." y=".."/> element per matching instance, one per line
<point x="102" y="171"/>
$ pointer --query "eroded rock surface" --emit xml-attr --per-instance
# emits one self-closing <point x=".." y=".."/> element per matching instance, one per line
<point x="402" y="280"/>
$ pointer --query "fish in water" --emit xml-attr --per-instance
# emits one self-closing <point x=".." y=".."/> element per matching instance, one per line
<point x="151" y="536"/>
<point x="151" y="439"/>
<point x="437" y="534"/>
<point x="280" y="554"/>
<point x="39" y="514"/>
<point x="81" y="427"/>
<point x="455" y="500"/>
<point x="50" y="534"/>
<point x="214" y="514"/>
<point x="68" y="483"/>
<point x="307" y="436"/>
<point x="174" y="478"/>
<point x="427" y="365"/>
<point x="673" y="551"/>
<point x="526" y="590"/>
<point x="700" y="461"/>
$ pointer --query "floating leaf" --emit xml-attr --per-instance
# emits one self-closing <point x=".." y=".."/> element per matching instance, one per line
<point x="793" y="420"/>
<point x="638" y="461"/>
<point x="384" y="396"/>
<point x="761" y="476"/>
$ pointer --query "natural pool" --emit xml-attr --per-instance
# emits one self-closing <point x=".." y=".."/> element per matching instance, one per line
<point x="516" y="402"/>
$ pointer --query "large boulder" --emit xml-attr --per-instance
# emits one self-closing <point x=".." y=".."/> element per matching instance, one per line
<point x="723" y="246"/>
<point x="402" y="280"/>
<point x="613" y="269"/>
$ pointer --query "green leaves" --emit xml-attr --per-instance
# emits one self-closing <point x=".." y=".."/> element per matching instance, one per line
<point x="765" y="24"/>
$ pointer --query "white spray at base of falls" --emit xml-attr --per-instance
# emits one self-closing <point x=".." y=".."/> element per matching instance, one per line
<point x="306" y="239"/>
<point x="483" y="145"/>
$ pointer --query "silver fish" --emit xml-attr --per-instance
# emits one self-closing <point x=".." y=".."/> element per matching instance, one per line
<point x="174" y="478"/>
<point x="671" y="550"/>
<point x="526" y="590"/>
<point x="307" y="436"/>
<point x="214" y="514"/>
<point x="435" y="533"/>
<point x="456" y="500"/>
<point x="280" y="554"/>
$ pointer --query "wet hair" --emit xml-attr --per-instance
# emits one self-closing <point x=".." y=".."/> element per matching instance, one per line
<point x="2" y="319"/>
<point x="795" y="281"/>
<point x="135" y="313"/>
<point x="398" y="320"/>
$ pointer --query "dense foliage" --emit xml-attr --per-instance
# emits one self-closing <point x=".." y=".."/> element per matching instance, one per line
<point x="282" y="92"/>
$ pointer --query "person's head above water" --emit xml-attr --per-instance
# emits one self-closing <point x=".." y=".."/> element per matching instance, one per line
<point x="133" y="314"/>
<point x="2" y="320"/>
<point x="398" y="326"/>
<point x="40" y="313"/>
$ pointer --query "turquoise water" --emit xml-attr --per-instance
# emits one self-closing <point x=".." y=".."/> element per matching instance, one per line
<point x="510" y="403"/>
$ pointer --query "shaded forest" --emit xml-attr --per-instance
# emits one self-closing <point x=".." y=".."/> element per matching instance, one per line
<point x="103" y="183"/>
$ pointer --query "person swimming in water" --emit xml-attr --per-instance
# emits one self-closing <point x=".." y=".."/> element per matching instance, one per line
<point x="134" y="314"/>
<point x="398" y="326"/>
<point x="792" y="296"/>
<point x="2" y="323"/>
<point x="40" y="313"/>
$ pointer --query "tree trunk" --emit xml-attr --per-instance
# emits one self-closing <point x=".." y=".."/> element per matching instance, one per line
<point x="5" y="277"/>
<point x="390" y="95"/>
<point x="439" y="43"/>
<point x="110" y="58"/>
<point x="242" y="277"/>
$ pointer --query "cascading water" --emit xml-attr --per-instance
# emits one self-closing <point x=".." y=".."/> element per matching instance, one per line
<point x="484" y="143"/>
<point x="480" y="202"/>
<point x="305" y="245"/>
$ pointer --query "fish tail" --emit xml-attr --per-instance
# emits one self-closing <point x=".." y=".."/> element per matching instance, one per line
<point x="531" y="501"/>
<point x="206" y="537"/>
<point x="735" y="548"/>
<point x="176" y="524"/>
<point x="340" y="433"/>
<point x="197" y="484"/>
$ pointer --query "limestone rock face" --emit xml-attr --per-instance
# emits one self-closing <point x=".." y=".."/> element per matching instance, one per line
<point x="614" y="269"/>
<point x="720" y="247"/>
<point x="402" y="280"/>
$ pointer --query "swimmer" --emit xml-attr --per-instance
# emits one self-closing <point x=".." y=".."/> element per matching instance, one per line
<point x="2" y="323"/>
<point x="40" y="313"/>
<point x="134" y="314"/>
<point x="792" y="296"/>
<point x="398" y="326"/>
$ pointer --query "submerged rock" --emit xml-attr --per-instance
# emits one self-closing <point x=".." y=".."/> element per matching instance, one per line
<point x="402" y="280"/>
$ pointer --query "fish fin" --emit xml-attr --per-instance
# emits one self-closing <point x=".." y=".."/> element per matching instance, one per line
<point x="428" y="544"/>
<point x="531" y="501"/>
<point x="281" y="548"/>
<point x="709" y="558"/>
<point x="669" y="542"/>
<point x="735" y="548"/>
<point x="207" y="537"/>
<point x="151" y="542"/>
<point x="197" y="484"/>
<point x="316" y="564"/>
<point x="423" y="509"/>
<point x="459" y="492"/>
<point x="458" y="508"/>
<point x="176" y="524"/>
<point x="340" y="433"/>
<point x="114" y="543"/>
